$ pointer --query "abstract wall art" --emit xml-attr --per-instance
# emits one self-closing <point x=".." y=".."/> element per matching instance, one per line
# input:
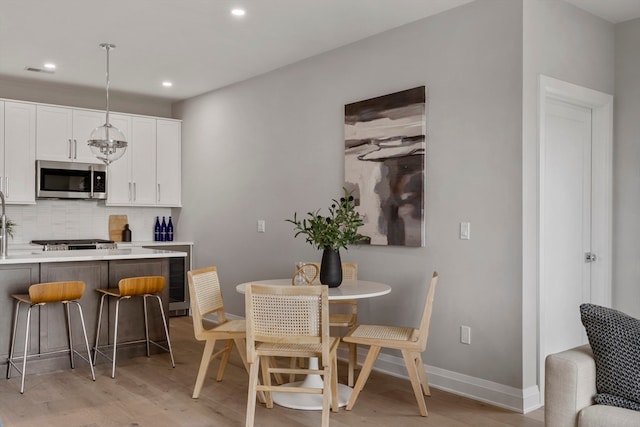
<point x="385" y="165"/>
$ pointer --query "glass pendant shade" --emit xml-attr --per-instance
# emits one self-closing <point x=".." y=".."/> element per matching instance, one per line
<point x="107" y="143"/>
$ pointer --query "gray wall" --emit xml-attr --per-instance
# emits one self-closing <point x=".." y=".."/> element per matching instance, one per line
<point x="273" y="145"/>
<point x="626" y="245"/>
<point x="566" y="43"/>
<point x="35" y="90"/>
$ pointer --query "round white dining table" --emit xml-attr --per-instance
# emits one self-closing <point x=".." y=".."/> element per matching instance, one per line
<point x="348" y="290"/>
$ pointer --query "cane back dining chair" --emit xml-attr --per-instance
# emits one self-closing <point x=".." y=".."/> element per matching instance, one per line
<point x="206" y="299"/>
<point x="141" y="286"/>
<point x="40" y="295"/>
<point x="410" y="341"/>
<point x="289" y="321"/>
<point x="342" y="313"/>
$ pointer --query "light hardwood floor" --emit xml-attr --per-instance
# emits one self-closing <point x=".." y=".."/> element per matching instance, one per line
<point x="148" y="392"/>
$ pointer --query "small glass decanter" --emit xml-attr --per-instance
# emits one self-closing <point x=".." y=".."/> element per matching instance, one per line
<point x="299" y="279"/>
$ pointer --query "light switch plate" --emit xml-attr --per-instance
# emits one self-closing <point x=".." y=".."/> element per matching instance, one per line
<point x="465" y="230"/>
<point x="261" y="226"/>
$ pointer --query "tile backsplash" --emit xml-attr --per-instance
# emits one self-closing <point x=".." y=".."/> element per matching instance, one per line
<point x="78" y="219"/>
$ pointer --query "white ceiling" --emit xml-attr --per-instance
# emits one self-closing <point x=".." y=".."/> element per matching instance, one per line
<point x="197" y="44"/>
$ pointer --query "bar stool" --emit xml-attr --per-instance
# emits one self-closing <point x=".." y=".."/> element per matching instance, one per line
<point x="145" y="287"/>
<point x="39" y="295"/>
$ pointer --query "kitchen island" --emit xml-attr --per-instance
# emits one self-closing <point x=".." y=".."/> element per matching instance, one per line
<point x="99" y="268"/>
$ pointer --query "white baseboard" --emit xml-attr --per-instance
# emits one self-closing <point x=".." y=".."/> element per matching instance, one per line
<point x="511" y="398"/>
<point x="503" y="396"/>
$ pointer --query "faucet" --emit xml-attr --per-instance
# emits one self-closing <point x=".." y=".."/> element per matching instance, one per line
<point x="3" y="231"/>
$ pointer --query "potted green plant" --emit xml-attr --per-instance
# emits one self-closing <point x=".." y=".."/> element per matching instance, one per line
<point x="331" y="233"/>
<point x="10" y="227"/>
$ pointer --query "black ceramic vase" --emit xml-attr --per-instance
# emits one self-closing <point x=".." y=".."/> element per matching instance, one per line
<point x="331" y="268"/>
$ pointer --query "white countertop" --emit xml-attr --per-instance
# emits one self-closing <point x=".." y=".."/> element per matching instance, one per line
<point x="26" y="256"/>
<point x="139" y="243"/>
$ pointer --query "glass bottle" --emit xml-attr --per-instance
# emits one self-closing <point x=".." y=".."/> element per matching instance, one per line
<point x="126" y="233"/>
<point x="163" y="230"/>
<point x="170" y="231"/>
<point x="156" y="230"/>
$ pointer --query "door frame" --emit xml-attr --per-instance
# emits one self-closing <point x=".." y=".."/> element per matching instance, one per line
<point x="601" y="105"/>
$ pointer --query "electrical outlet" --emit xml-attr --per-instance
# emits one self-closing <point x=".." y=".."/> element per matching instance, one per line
<point x="465" y="334"/>
<point x="261" y="226"/>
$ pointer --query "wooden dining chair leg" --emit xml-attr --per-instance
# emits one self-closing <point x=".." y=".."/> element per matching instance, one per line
<point x="372" y="355"/>
<point x="265" y="364"/>
<point x="204" y="367"/>
<point x="423" y="375"/>
<point x="335" y="404"/>
<point x="224" y="359"/>
<point x="410" y="362"/>
<point x="353" y="363"/>
<point x="326" y="394"/>
<point x="276" y="375"/>
<point x="251" y="400"/>
<point x="293" y="364"/>
<point x="241" y="345"/>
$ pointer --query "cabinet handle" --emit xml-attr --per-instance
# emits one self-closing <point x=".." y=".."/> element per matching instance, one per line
<point x="6" y="180"/>
<point x="75" y="149"/>
<point x="70" y="148"/>
<point x="129" y="190"/>
<point x="1" y="182"/>
<point x="135" y="193"/>
<point x="158" y="192"/>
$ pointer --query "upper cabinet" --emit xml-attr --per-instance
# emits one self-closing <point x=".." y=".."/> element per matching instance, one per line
<point x="18" y="152"/>
<point x="168" y="159"/>
<point x="147" y="175"/>
<point x="62" y="133"/>
<point x="149" y="172"/>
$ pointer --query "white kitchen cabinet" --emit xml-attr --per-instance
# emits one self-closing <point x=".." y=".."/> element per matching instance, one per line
<point x="18" y="152"/>
<point x="168" y="163"/>
<point x="132" y="179"/>
<point x="62" y="133"/>
<point x="149" y="172"/>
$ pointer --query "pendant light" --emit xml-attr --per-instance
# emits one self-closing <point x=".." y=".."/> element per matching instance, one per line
<point x="107" y="142"/>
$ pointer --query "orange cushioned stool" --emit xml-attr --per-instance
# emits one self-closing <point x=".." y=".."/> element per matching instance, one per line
<point x="40" y="295"/>
<point x="145" y="287"/>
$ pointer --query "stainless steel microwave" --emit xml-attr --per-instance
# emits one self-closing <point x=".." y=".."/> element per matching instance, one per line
<point x="70" y="180"/>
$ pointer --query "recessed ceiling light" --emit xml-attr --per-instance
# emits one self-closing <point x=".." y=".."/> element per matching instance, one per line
<point x="167" y="84"/>
<point x="50" y="66"/>
<point x="238" y="12"/>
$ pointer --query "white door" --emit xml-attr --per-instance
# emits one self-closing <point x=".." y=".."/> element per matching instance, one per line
<point x="566" y="223"/>
<point x="575" y="189"/>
